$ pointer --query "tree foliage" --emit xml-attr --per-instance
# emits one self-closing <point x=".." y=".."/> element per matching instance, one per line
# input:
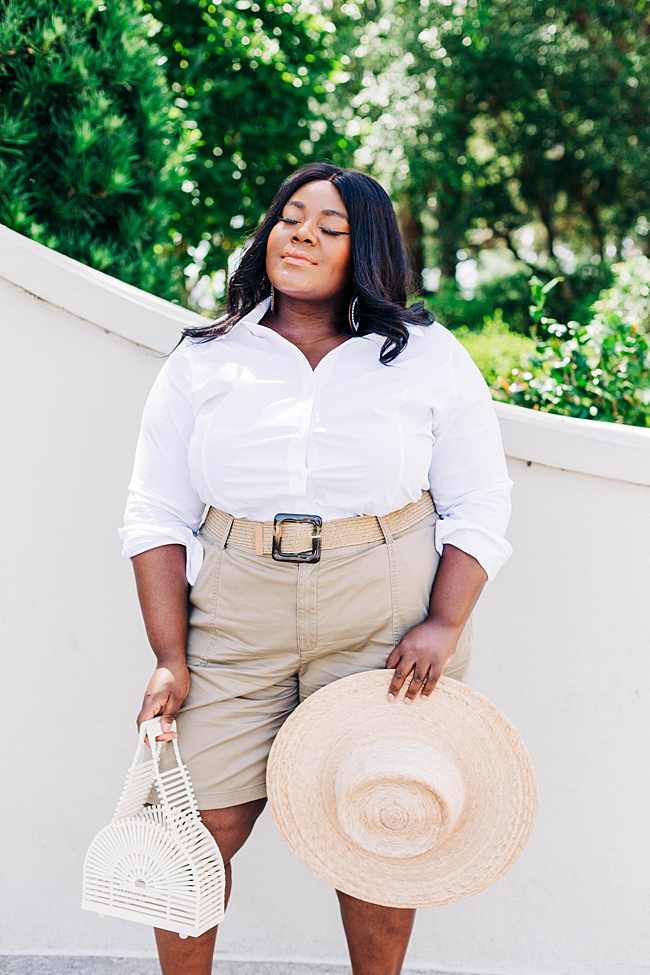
<point x="87" y="137"/>
<point x="485" y="116"/>
<point x="133" y="136"/>
<point x="249" y="78"/>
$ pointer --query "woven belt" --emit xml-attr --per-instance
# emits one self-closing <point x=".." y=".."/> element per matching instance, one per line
<point x="300" y="538"/>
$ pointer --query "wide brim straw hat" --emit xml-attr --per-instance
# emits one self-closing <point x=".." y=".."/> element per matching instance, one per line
<point x="413" y="805"/>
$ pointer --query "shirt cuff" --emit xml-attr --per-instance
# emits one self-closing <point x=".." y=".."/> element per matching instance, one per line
<point x="489" y="549"/>
<point x="135" y="542"/>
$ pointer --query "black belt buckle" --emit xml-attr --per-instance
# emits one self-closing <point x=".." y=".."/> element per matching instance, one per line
<point x="316" y="523"/>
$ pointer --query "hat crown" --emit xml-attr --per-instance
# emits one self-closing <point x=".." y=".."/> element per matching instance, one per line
<point x="398" y="800"/>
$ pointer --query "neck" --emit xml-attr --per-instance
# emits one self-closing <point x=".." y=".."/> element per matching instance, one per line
<point x="318" y="319"/>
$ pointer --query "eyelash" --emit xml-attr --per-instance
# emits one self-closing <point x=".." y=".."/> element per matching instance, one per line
<point x="325" y="230"/>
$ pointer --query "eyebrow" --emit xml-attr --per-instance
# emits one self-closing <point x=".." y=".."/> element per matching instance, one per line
<point x="325" y="213"/>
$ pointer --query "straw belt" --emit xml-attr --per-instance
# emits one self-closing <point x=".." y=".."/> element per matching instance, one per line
<point x="293" y="536"/>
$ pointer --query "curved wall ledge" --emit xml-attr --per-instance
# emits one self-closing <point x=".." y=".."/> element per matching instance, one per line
<point x="611" y="450"/>
<point x="607" y="450"/>
<point x="112" y="305"/>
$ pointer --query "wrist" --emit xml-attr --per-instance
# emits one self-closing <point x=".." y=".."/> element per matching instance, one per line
<point x="171" y="659"/>
<point x="452" y="626"/>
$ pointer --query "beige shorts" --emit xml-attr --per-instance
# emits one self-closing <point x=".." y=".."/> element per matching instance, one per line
<point x="264" y="635"/>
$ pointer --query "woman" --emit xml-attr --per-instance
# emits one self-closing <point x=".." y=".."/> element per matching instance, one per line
<point x="320" y="395"/>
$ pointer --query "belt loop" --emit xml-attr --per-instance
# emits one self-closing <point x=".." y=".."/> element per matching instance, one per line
<point x="392" y="571"/>
<point x="388" y="538"/>
<point x="225" y="528"/>
<point x="218" y="523"/>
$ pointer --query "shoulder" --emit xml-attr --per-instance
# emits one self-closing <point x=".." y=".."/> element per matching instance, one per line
<point x="191" y="350"/>
<point x="178" y="361"/>
<point x="439" y="341"/>
<point x="224" y="332"/>
<point x="434" y="337"/>
<point x="443" y="360"/>
<point x="178" y="370"/>
<point x="434" y="347"/>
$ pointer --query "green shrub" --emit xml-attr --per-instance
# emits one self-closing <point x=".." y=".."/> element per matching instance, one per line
<point x="495" y="349"/>
<point x="86" y="137"/>
<point x="507" y="294"/>
<point x="599" y="371"/>
<point x="510" y="294"/>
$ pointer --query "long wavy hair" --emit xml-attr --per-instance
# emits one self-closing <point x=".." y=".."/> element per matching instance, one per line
<point x="381" y="274"/>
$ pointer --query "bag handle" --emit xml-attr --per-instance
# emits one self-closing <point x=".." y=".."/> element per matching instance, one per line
<point x="142" y="775"/>
<point x="150" y="730"/>
<point x="174" y="788"/>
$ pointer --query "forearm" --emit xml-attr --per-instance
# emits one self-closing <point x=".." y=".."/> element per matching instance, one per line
<point x="458" y="583"/>
<point x="162" y="591"/>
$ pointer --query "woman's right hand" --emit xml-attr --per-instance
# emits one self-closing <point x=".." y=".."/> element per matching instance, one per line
<point x="164" y="695"/>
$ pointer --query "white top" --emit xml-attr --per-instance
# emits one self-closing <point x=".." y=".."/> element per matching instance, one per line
<point x="243" y="423"/>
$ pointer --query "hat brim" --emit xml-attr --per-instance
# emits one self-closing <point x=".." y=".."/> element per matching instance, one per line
<point x="498" y="807"/>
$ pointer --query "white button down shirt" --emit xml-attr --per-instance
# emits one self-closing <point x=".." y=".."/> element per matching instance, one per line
<point x="243" y="423"/>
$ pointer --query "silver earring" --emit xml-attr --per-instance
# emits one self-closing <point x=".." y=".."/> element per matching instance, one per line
<point x="272" y="307"/>
<point x="353" y="315"/>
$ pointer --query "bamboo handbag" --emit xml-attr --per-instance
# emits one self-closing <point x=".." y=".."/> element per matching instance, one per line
<point x="156" y="863"/>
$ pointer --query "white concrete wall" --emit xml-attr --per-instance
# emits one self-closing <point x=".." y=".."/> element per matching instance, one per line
<point x="562" y="647"/>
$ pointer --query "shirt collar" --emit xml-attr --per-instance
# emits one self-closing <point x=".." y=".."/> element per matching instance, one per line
<point x="252" y="322"/>
<point x="254" y="317"/>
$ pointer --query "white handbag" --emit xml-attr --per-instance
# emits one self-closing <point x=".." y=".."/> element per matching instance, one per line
<point x="156" y="863"/>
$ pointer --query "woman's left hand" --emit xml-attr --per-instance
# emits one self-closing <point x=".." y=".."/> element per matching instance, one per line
<point x="423" y="651"/>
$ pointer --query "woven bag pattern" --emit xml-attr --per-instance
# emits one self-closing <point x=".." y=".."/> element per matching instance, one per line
<point x="156" y="863"/>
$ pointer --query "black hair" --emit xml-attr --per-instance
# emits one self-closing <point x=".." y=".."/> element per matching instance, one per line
<point x="381" y="273"/>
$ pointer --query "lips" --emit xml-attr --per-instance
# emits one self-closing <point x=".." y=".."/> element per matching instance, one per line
<point x="296" y="257"/>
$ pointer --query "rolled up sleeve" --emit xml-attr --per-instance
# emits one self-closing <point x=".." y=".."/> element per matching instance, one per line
<point x="163" y="507"/>
<point x="468" y="475"/>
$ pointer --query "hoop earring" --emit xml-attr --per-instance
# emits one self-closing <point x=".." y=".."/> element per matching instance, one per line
<point x="353" y="315"/>
<point x="272" y="306"/>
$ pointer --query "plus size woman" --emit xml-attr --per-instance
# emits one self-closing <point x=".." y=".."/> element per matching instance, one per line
<point x="319" y="490"/>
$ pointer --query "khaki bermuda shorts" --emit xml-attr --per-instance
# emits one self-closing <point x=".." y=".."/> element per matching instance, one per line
<point x="264" y="635"/>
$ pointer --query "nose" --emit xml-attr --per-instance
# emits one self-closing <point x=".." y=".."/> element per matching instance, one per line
<point x="306" y="232"/>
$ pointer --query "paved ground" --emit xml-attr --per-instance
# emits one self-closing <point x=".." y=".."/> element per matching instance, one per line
<point x="62" y="965"/>
<point x="86" y="965"/>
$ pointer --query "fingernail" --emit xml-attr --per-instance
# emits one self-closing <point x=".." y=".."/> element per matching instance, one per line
<point x="407" y="700"/>
<point x="391" y="697"/>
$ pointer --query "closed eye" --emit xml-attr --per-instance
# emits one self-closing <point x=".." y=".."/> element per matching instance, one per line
<point x="325" y="230"/>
